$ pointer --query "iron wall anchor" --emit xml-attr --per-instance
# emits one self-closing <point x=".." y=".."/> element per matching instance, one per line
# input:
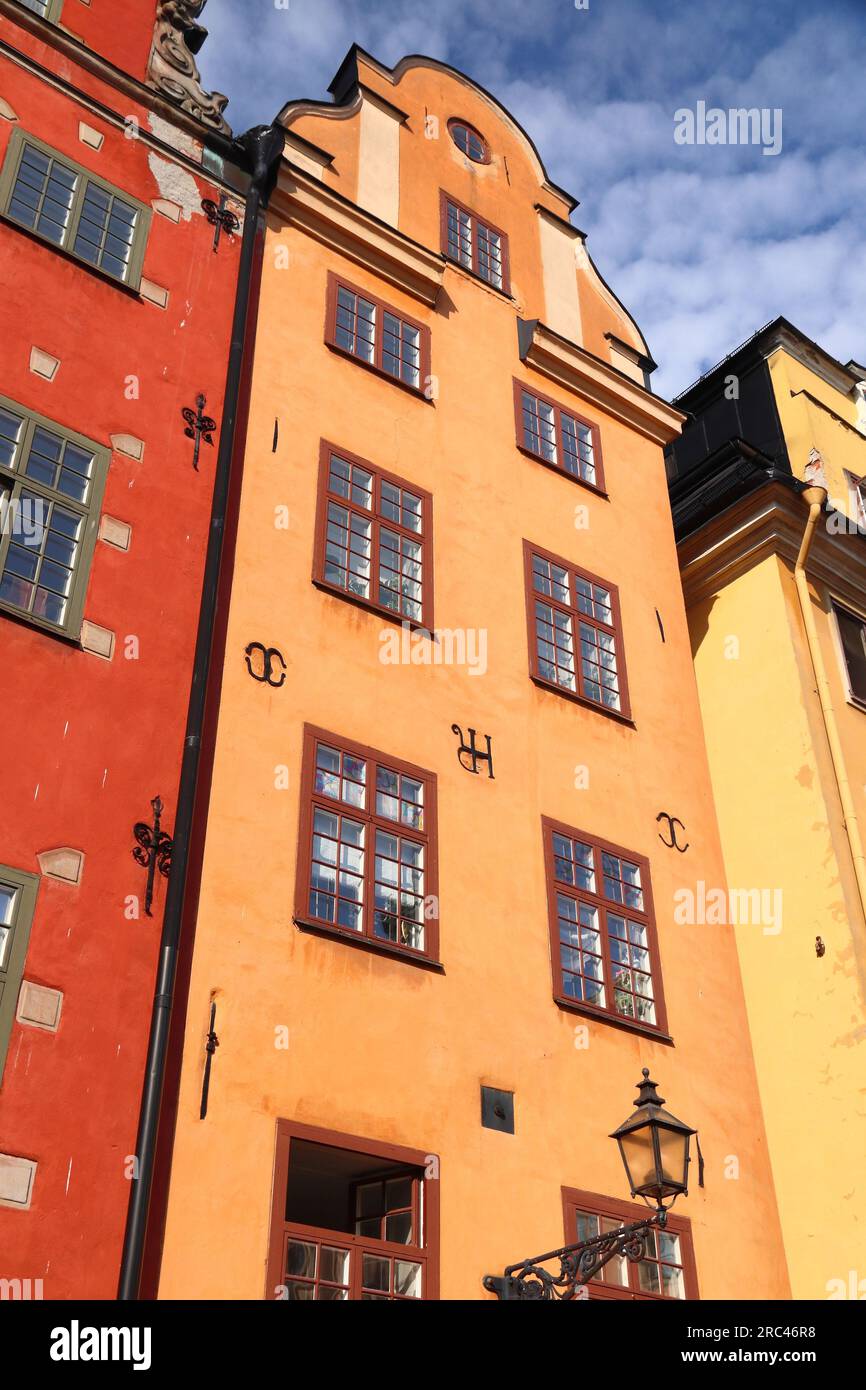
<point x="153" y="850"/>
<point x="222" y="217"/>
<point x="470" y="750"/>
<point x="198" y="426"/>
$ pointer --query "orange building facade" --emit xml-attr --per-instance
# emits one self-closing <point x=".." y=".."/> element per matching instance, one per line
<point x="459" y="770"/>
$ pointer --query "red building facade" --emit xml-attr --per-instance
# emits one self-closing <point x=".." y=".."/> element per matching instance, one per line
<point x="119" y="259"/>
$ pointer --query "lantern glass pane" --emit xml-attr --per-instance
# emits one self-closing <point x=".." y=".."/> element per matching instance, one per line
<point x="674" y="1149"/>
<point x="637" y="1150"/>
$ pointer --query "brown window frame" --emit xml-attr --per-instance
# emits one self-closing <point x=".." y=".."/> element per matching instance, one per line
<point x="327" y="450"/>
<point x="426" y="1253"/>
<point x="843" y="613"/>
<point x="310" y="799"/>
<point x="623" y="714"/>
<point x="857" y="493"/>
<point x="559" y="410"/>
<point x="453" y="123"/>
<point x="444" y="200"/>
<point x="575" y="1199"/>
<point x="644" y="917"/>
<point x="337" y="282"/>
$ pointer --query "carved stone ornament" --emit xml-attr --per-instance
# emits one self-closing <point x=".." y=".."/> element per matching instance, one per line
<point x="172" y="68"/>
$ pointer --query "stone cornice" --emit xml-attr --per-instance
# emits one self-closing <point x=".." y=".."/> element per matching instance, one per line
<point x="233" y="159"/>
<point x="770" y="521"/>
<point x="810" y="355"/>
<point x="598" y="382"/>
<point x="308" y="203"/>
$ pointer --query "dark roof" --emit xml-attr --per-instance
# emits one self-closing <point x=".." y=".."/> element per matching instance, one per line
<point x="751" y="348"/>
<point x="732" y="471"/>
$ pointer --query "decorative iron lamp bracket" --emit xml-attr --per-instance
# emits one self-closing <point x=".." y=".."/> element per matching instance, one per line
<point x="221" y="217"/>
<point x="577" y="1264"/>
<point x="198" y="426"/>
<point x="654" y="1147"/>
<point x="152" y="850"/>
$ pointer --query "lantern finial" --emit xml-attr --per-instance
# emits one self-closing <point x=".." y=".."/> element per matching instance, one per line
<point x="648" y="1092"/>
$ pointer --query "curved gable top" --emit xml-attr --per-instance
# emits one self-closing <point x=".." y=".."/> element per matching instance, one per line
<point x="349" y="81"/>
<point x="380" y="111"/>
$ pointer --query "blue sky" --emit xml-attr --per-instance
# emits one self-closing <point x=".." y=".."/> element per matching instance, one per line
<point x="703" y="243"/>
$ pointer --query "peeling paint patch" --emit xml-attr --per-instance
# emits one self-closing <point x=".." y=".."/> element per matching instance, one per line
<point x="178" y="139"/>
<point x="805" y="776"/>
<point x="176" y="185"/>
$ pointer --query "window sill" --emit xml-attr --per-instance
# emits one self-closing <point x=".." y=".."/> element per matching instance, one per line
<point x="378" y="611"/>
<point x="103" y="275"/>
<point x="72" y="639"/>
<point x="645" y="1030"/>
<point x="563" y="472"/>
<point x="578" y="699"/>
<point x="380" y="372"/>
<point x="366" y="943"/>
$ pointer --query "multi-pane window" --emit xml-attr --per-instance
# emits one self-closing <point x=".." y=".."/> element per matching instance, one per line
<point x="73" y="209"/>
<point x="373" y="538"/>
<point x="51" y="484"/>
<point x="474" y="244"/>
<point x="386" y="1209"/>
<point x="856" y="498"/>
<point x="470" y="141"/>
<point x="322" y="1270"/>
<point x="558" y="437"/>
<point x="366" y="865"/>
<point x="575" y="637"/>
<point x="48" y="9"/>
<point x="356" y="324"/>
<point x="605" y="955"/>
<point x="17" y="901"/>
<point x="374" y="333"/>
<point x="852" y="631"/>
<point x="667" y="1266"/>
<point x="352" y="1220"/>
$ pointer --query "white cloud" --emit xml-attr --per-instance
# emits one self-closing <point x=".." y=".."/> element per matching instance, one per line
<point x="703" y="244"/>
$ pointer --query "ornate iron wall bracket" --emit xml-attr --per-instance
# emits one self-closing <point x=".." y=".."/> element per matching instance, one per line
<point x="198" y="426"/>
<point x="673" y="822"/>
<point x="153" y="850"/>
<point x="469" y="750"/>
<point x="577" y="1264"/>
<point x="211" y="1044"/>
<point x="268" y="671"/>
<point x="221" y="217"/>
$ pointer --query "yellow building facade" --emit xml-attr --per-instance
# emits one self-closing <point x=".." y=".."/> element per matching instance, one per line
<point x="459" y="775"/>
<point x="767" y="492"/>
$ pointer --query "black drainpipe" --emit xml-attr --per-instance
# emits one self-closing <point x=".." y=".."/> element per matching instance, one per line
<point x="263" y="147"/>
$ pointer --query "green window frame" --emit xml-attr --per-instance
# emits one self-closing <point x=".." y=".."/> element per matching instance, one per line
<point x="51" y="486"/>
<point x="72" y="208"/>
<point x="17" y="905"/>
<point x="47" y="9"/>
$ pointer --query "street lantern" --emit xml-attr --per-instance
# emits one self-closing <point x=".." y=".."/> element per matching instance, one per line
<point x="655" y="1148"/>
<point x="655" y="1151"/>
